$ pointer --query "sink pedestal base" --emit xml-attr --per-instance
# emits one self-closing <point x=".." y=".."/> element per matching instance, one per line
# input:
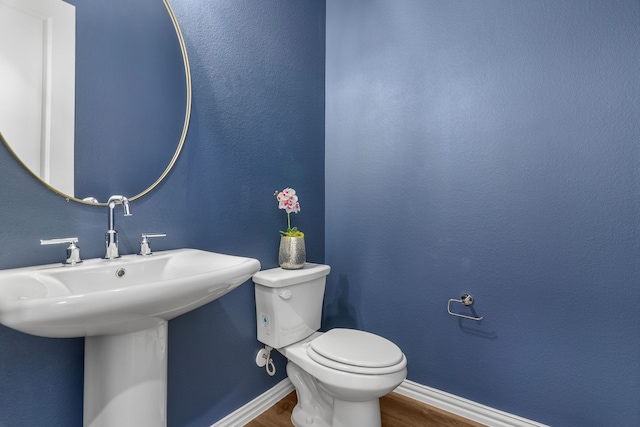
<point x="125" y="379"/>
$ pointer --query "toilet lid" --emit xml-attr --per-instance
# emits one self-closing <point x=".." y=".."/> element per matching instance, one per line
<point x="357" y="348"/>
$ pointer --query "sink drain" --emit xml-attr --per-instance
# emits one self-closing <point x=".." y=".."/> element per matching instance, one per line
<point x="120" y="272"/>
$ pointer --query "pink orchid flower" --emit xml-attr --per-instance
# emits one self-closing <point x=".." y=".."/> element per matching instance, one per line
<point x="288" y="200"/>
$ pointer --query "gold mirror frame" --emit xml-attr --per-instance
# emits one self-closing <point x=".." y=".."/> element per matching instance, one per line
<point x="183" y="136"/>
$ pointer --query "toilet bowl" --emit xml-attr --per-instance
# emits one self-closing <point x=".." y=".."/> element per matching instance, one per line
<point x="339" y="375"/>
<point x="353" y="391"/>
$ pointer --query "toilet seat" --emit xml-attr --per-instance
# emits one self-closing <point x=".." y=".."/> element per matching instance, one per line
<point x="356" y="351"/>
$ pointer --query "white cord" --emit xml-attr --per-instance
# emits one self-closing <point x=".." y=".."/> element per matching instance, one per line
<point x="270" y="367"/>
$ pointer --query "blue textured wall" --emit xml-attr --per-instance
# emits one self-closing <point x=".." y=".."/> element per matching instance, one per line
<point x="257" y="126"/>
<point x="491" y="147"/>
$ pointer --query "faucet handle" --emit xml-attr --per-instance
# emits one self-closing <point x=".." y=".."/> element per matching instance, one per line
<point x="145" y="247"/>
<point x="73" y="251"/>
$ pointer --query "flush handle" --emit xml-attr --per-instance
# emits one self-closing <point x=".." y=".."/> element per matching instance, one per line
<point x="286" y="294"/>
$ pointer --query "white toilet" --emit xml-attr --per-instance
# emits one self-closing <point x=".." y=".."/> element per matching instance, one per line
<point x="339" y="375"/>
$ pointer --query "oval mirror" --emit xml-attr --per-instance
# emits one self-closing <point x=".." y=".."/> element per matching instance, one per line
<point x="132" y="98"/>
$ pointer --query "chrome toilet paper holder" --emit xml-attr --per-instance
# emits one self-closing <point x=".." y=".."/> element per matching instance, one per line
<point x="467" y="300"/>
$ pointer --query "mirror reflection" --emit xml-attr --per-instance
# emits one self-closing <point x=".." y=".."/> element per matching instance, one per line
<point x="132" y="96"/>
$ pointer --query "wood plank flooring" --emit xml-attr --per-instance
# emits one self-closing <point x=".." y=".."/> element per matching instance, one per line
<point x="397" y="411"/>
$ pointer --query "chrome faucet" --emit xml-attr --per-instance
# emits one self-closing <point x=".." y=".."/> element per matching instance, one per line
<point x="111" y="237"/>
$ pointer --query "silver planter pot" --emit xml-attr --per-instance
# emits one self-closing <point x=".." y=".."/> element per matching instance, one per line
<point x="292" y="254"/>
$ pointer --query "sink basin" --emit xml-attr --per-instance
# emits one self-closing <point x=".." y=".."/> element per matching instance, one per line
<point x="131" y="293"/>
<point x="122" y="307"/>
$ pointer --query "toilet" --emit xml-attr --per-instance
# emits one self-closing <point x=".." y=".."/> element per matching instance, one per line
<point x="339" y="375"/>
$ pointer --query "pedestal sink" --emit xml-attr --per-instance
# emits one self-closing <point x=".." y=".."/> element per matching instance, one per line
<point x="122" y="306"/>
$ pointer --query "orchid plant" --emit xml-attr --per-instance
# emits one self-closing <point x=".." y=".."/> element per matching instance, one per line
<point x="288" y="201"/>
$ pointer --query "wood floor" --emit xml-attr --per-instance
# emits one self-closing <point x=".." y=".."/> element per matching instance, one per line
<point x="397" y="411"/>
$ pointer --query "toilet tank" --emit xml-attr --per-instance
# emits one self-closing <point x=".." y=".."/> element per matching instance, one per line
<point x="289" y="303"/>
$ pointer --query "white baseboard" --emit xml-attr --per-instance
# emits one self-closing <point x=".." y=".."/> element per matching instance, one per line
<point x="431" y="396"/>
<point x="465" y="408"/>
<point x="257" y="406"/>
